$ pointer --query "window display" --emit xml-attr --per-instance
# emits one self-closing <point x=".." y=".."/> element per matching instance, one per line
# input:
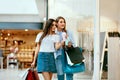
<point x="23" y="54"/>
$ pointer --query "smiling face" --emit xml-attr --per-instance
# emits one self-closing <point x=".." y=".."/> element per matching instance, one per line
<point x="61" y="24"/>
<point x="53" y="27"/>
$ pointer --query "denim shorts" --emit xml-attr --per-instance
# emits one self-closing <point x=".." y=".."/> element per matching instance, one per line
<point x="46" y="62"/>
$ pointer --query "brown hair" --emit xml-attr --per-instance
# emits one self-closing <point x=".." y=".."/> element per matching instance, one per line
<point x="57" y="20"/>
<point x="47" y="28"/>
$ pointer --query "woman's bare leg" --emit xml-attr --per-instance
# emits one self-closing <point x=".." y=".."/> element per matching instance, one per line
<point x="51" y="74"/>
<point x="46" y="75"/>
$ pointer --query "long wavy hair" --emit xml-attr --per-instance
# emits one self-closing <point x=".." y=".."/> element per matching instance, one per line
<point x="47" y="28"/>
<point x="57" y="20"/>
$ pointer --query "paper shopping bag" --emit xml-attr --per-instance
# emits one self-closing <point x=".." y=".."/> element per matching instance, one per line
<point x="22" y="75"/>
<point x="32" y="75"/>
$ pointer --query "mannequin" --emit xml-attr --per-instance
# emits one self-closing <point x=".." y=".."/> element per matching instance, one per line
<point x="12" y="56"/>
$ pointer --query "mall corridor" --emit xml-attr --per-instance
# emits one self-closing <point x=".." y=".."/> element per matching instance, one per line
<point x="12" y="74"/>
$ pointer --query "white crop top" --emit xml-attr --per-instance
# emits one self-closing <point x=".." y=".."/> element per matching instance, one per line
<point x="47" y="44"/>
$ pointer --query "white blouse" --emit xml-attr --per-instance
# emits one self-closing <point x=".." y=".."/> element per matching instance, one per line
<point x="48" y="42"/>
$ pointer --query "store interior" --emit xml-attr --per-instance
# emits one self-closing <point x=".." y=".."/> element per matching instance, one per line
<point x="26" y="45"/>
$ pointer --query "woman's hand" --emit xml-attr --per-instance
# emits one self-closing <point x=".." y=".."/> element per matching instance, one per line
<point x="62" y="43"/>
<point x="57" y="45"/>
<point x="69" y="44"/>
<point x="33" y="64"/>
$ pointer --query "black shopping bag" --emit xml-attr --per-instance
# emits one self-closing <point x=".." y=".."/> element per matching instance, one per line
<point x="75" y="54"/>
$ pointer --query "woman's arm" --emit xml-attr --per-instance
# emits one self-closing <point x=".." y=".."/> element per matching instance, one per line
<point x="70" y="35"/>
<point x="58" y="44"/>
<point x="36" y="54"/>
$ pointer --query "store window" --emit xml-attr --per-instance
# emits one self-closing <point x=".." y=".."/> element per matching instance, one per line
<point x="26" y="45"/>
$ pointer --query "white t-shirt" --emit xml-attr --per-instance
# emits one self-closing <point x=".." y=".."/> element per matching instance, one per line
<point x="48" y="42"/>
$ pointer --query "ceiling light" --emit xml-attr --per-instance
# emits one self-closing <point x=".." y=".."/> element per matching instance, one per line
<point x="26" y="29"/>
<point x="8" y="34"/>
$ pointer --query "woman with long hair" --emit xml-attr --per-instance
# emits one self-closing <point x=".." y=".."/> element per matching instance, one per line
<point x="47" y="41"/>
<point x="59" y="57"/>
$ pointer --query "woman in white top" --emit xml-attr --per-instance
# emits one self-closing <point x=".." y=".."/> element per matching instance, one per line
<point x="47" y="41"/>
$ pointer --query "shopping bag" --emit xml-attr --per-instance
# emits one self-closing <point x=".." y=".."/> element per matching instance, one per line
<point x="35" y="74"/>
<point x="32" y="75"/>
<point x="75" y="54"/>
<point x="74" y="68"/>
<point x="68" y="60"/>
<point x="22" y="75"/>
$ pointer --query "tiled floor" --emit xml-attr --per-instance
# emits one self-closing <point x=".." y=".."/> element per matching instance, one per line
<point x="12" y="74"/>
